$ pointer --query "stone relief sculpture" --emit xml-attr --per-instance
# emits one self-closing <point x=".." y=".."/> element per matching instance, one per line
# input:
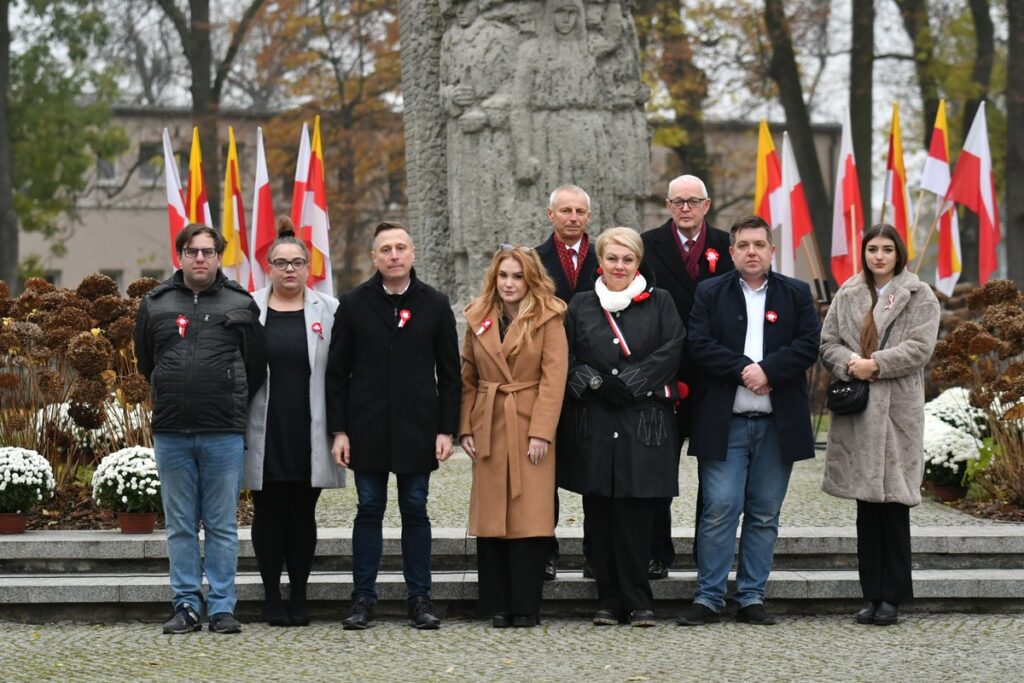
<point x="504" y="101"/>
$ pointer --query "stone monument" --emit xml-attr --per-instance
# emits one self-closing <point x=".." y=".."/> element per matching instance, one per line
<point x="503" y="102"/>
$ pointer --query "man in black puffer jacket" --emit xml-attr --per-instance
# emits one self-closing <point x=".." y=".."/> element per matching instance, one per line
<point x="200" y="344"/>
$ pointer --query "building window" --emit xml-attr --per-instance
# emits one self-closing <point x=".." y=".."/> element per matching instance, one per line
<point x="106" y="172"/>
<point x="154" y="273"/>
<point x="115" y="275"/>
<point x="53" y="277"/>
<point x="151" y="164"/>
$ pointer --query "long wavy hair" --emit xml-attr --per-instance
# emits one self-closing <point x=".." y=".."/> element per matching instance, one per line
<point x="869" y="331"/>
<point x="539" y="299"/>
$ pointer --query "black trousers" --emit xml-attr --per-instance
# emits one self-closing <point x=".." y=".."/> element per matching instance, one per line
<point x="284" y="532"/>
<point x="662" y="549"/>
<point x="510" y="574"/>
<point x="620" y="544"/>
<point x="883" y="552"/>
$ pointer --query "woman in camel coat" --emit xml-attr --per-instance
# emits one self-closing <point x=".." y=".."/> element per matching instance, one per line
<point x="514" y="364"/>
<point x="876" y="456"/>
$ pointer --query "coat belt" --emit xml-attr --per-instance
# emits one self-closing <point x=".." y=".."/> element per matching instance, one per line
<point x="515" y="441"/>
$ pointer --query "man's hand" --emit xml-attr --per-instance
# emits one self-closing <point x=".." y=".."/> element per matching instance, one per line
<point x="754" y="379"/>
<point x="862" y="368"/>
<point x="340" y="449"/>
<point x="469" y="446"/>
<point x="443" y="447"/>
<point x="537" y="450"/>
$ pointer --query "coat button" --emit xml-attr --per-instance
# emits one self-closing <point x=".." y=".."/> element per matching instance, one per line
<point x="648" y="393"/>
<point x="614" y="371"/>
<point x="740" y="318"/>
<point x="615" y="435"/>
<point x="615" y="341"/>
<point x="618" y="315"/>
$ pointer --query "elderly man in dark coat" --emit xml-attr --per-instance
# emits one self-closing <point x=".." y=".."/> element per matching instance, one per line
<point x="753" y="336"/>
<point x="682" y="252"/>
<point x="393" y="395"/>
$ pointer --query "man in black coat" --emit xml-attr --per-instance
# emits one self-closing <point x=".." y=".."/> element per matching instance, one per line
<point x="683" y="252"/>
<point x="393" y="394"/>
<point x="753" y="335"/>
<point x="571" y="261"/>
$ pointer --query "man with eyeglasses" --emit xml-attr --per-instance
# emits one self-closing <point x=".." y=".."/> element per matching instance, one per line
<point x="570" y="261"/>
<point x="200" y="344"/>
<point x="683" y="252"/>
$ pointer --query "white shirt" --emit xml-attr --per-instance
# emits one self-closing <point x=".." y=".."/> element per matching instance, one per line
<point x="753" y="348"/>
<point x="688" y="242"/>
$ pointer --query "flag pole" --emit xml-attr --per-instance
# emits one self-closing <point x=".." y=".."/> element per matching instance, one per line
<point x="881" y="217"/>
<point x="853" y="239"/>
<point x="931" y="231"/>
<point x="917" y="214"/>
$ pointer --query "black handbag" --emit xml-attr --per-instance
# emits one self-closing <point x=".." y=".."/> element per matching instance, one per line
<point x="845" y="397"/>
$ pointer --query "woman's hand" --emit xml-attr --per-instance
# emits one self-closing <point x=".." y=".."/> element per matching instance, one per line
<point x="468" y="445"/>
<point x="537" y="450"/>
<point x="862" y="368"/>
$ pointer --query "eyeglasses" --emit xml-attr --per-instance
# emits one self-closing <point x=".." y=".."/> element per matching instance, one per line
<point x="192" y="252"/>
<point x="295" y="263"/>
<point x="512" y="247"/>
<point x="692" y="202"/>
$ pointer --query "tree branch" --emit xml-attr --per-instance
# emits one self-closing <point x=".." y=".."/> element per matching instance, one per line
<point x="180" y="25"/>
<point x="236" y="42"/>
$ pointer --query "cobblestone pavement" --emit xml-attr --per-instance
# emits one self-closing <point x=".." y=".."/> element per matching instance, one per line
<point x="806" y="505"/>
<point x="924" y="647"/>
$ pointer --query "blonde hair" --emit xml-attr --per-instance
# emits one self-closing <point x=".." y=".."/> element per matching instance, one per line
<point x="540" y="294"/>
<point x="624" y="237"/>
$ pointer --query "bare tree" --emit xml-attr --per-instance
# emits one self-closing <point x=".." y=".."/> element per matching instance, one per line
<point x="915" y="20"/>
<point x="862" y="64"/>
<point x="1014" y="228"/>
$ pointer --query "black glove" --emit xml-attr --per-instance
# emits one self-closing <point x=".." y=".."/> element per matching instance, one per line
<point x="614" y="391"/>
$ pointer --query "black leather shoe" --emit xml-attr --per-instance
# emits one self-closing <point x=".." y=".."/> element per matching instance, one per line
<point x="755" y="614"/>
<point x="503" y="620"/>
<point x="360" y="616"/>
<point x="525" y="620"/>
<point x="656" y="570"/>
<point x="298" y="610"/>
<point x="421" y="614"/>
<point x="887" y="614"/>
<point x="866" y="615"/>
<point x="642" y="618"/>
<point x="698" y="615"/>
<point x="550" y="570"/>
<point x="605" y="617"/>
<point x="275" y="614"/>
<point x="588" y="573"/>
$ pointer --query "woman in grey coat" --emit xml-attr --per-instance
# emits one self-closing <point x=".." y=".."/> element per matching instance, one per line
<point x="288" y="461"/>
<point x="876" y="456"/>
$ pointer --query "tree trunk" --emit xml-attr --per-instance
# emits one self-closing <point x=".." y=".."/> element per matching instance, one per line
<point x="915" y="21"/>
<point x="784" y="72"/>
<point x="862" y="63"/>
<point x="1014" y="227"/>
<point x="981" y="76"/>
<point x="205" y="110"/>
<point x="8" y="218"/>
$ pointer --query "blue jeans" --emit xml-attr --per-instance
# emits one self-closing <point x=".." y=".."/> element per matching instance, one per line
<point x="368" y="541"/>
<point x="751" y="480"/>
<point x="200" y="478"/>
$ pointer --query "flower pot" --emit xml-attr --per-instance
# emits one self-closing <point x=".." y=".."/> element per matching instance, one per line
<point x="945" y="493"/>
<point x="13" y="522"/>
<point x="136" y="522"/>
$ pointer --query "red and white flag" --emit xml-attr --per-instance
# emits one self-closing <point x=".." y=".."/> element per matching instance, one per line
<point x="176" y="214"/>
<point x="768" y="197"/>
<point x="301" y="178"/>
<point x="196" y="201"/>
<point x="263" y="230"/>
<point x="847" y="218"/>
<point x="796" y="217"/>
<point x="935" y="179"/>
<point x="974" y="185"/>
<point x="314" y="225"/>
<point x="236" y="250"/>
<point x="895" y="195"/>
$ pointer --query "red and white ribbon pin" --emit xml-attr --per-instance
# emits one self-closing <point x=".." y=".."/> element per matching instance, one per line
<point x="318" y="328"/>
<point x="182" y="323"/>
<point x="484" y="326"/>
<point x="403" y="317"/>
<point x="771" y="316"/>
<point x="712" y="256"/>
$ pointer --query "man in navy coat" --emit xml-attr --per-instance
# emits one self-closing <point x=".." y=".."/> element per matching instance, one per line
<point x="753" y="335"/>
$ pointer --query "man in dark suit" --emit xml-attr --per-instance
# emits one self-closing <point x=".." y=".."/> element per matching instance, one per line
<point x="571" y="262"/>
<point x="393" y="394"/>
<point x="753" y="335"/>
<point x="684" y="251"/>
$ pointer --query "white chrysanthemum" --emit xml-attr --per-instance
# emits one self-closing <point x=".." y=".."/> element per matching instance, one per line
<point x="953" y="407"/>
<point x="127" y="478"/>
<point x="947" y="446"/>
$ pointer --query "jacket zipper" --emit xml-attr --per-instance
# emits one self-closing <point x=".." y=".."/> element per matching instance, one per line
<point x="188" y="365"/>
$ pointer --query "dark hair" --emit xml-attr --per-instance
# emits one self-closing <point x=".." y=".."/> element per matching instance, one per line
<point x="868" y="331"/>
<point x="286" y="235"/>
<point x="749" y="223"/>
<point x="191" y="230"/>
<point x="389" y="225"/>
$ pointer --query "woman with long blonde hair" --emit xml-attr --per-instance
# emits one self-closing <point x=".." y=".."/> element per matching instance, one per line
<point x="514" y="365"/>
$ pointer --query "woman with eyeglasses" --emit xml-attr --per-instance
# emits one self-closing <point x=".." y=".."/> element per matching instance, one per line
<point x="288" y="461"/>
<point x="625" y="343"/>
<point x="514" y="362"/>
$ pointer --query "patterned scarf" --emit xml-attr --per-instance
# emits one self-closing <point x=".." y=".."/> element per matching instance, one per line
<point x="691" y="259"/>
<point x="565" y="256"/>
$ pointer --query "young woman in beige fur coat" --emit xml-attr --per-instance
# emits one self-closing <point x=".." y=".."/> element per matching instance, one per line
<point x="876" y="456"/>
